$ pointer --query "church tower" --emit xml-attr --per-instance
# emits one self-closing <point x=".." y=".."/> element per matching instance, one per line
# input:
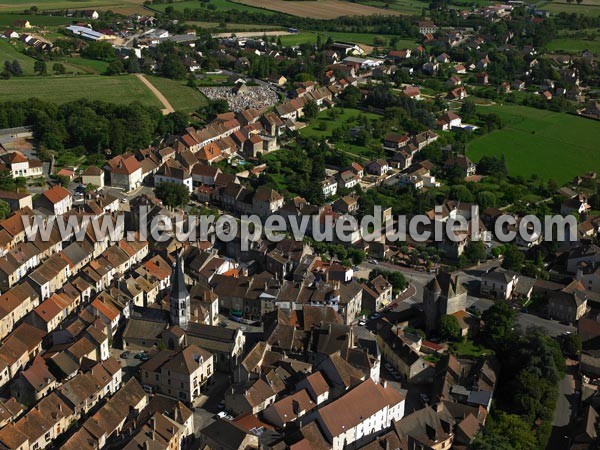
<point x="180" y="297"/>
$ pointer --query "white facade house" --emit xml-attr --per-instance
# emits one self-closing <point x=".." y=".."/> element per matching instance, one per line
<point x="367" y="409"/>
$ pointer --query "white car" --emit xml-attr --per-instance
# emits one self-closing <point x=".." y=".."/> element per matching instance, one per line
<point x="224" y="415"/>
<point x="362" y="323"/>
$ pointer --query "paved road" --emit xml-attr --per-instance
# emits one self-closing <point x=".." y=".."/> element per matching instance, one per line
<point x="167" y="106"/>
<point x="560" y="439"/>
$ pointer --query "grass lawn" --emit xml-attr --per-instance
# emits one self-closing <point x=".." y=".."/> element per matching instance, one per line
<point x="180" y="96"/>
<point x="345" y="115"/>
<point x="306" y="37"/>
<point x="121" y="89"/>
<point x="10" y="52"/>
<point x="469" y="348"/>
<point x="574" y="45"/>
<point x="221" y="5"/>
<point x="88" y="64"/>
<point x="549" y="144"/>
<point x="587" y="7"/>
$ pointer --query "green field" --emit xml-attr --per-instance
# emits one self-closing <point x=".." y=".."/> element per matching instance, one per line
<point x="115" y="5"/>
<point x="574" y="45"/>
<point x="221" y="5"/>
<point x="587" y="7"/>
<point x="121" y="89"/>
<point x="234" y="26"/>
<point x="310" y="37"/>
<point x="534" y="141"/>
<point x="180" y="96"/>
<point x="346" y="116"/>
<point x="7" y="20"/>
<point x="9" y="52"/>
<point x="405" y="6"/>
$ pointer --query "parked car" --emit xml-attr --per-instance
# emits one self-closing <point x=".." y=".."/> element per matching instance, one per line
<point x="362" y="322"/>
<point x="125" y="355"/>
<point x="425" y="398"/>
<point x="147" y="388"/>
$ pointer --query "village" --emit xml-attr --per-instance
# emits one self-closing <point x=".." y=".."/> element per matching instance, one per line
<point x="134" y="342"/>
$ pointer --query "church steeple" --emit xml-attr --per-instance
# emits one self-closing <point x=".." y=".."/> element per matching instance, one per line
<point x="180" y="297"/>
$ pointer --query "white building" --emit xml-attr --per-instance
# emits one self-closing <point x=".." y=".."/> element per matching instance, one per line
<point x="367" y="409"/>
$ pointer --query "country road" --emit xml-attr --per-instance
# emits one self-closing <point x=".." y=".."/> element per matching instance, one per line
<point x="167" y="106"/>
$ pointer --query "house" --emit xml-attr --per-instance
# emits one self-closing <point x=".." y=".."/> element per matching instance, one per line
<point x="577" y="204"/>
<point x="277" y="80"/>
<point x="589" y="276"/>
<point x="498" y="284"/>
<point x="424" y="429"/>
<point x="482" y="78"/>
<point x="363" y="411"/>
<point x="10" y="34"/>
<point x="402" y="357"/>
<point x="173" y="172"/>
<point x="518" y="85"/>
<point x="17" y="200"/>
<point x="444" y="58"/>
<point x="227" y="435"/>
<point x="57" y="200"/>
<point x="329" y="187"/>
<point x="427" y="27"/>
<point x="569" y="304"/>
<point x="589" y="254"/>
<point x="463" y="163"/>
<point x="395" y="141"/>
<point x="459" y="68"/>
<point x="377" y="167"/>
<point x="125" y="172"/>
<point x="457" y="94"/>
<point x="289" y="409"/>
<point x="347" y="179"/>
<point x="266" y="201"/>
<point x="93" y="176"/>
<point x="22" y="24"/>
<point x="179" y="374"/>
<point x="346" y="205"/>
<point x="412" y="92"/>
<point x="448" y="121"/>
<point x="21" y="166"/>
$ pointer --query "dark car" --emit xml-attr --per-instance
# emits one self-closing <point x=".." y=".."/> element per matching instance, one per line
<point x="125" y="355"/>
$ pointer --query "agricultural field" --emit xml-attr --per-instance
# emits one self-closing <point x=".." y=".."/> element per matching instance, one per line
<point x="319" y="9"/>
<point x="221" y="5"/>
<point x="9" y="52"/>
<point x="221" y="27"/>
<point x="183" y="98"/>
<point x="403" y="6"/>
<point x="549" y="144"/>
<point x="575" y="41"/>
<point x="122" y="6"/>
<point x="120" y="89"/>
<point x="310" y="37"/>
<point x="7" y="20"/>
<point x="587" y="7"/>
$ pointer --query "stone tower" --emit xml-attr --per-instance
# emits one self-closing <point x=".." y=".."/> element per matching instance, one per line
<point x="443" y="295"/>
<point x="180" y="297"/>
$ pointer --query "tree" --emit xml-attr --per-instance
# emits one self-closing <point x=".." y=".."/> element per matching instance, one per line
<point x="173" y="194"/>
<point x="505" y="432"/>
<point x="172" y="67"/>
<point x="571" y="344"/>
<point x="449" y="328"/>
<point x="513" y="258"/>
<point x="133" y="64"/>
<point x="99" y="50"/>
<point x="58" y="68"/>
<point x="115" y="68"/>
<point x="396" y="279"/>
<point x="311" y="109"/>
<point x="476" y="252"/>
<point x="16" y="69"/>
<point x="40" y="68"/>
<point x="499" y="324"/>
<point x="4" y="209"/>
